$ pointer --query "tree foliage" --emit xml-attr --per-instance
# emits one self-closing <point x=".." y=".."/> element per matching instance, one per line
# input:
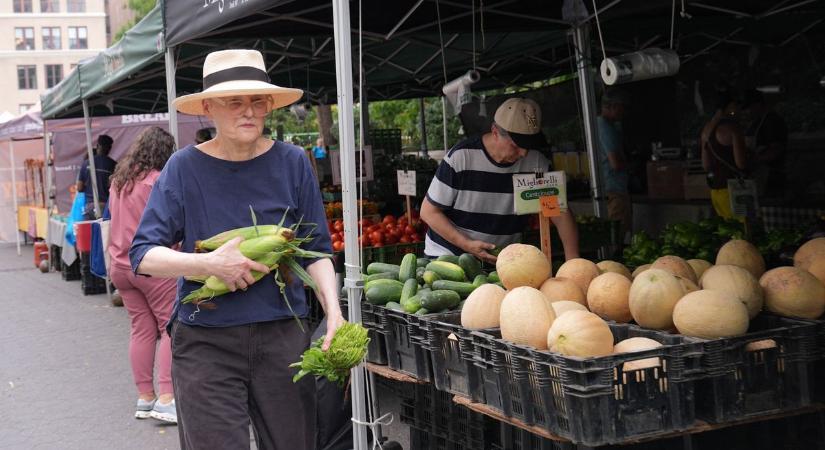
<point x="140" y="8"/>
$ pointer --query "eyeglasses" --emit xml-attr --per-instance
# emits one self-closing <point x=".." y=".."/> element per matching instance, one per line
<point x="237" y="106"/>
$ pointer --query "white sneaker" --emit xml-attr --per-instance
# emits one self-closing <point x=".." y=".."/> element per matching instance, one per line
<point x="144" y="408"/>
<point x="164" y="412"/>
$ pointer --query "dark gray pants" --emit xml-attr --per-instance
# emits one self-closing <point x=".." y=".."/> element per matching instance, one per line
<point x="225" y="377"/>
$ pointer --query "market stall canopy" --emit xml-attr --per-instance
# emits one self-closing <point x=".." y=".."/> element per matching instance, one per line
<point x="26" y="126"/>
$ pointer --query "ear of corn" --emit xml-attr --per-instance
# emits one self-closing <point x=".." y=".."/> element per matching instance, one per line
<point x="214" y="286"/>
<point x="246" y="233"/>
<point x="258" y="247"/>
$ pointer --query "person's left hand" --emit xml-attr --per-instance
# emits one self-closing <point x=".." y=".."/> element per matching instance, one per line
<point x="333" y="323"/>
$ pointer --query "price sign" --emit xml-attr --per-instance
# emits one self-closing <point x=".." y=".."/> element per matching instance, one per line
<point x="743" y="198"/>
<point x="406" y="182"/>
<point x="529" y="188"/>
<point x="550" y="206"/>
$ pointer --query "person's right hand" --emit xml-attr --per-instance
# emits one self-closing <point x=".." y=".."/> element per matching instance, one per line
<point x="479" y="250"/>
<point x="232" y="267"/>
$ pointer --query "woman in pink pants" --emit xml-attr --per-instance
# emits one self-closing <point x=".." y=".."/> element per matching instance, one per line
<point x="148" y="300"/>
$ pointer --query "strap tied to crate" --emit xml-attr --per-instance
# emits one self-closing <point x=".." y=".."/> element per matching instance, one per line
<point x="384" y="420"/>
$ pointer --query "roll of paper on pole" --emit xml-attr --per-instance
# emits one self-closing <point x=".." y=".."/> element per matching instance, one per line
<point x="642" y="65"/>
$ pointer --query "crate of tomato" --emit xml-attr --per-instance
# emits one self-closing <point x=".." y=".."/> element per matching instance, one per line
<point x="386" y="240"/>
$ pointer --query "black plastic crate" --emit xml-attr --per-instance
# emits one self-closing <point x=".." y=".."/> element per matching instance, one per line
<point x="431" y="409"/>
<point x="503" y="380"/>
<point x="70" y="272"/>
<point x="55" y="260"/>
<point x="451" y="347"/>
<point x="405" y="350"/>
<point x="514" y="438"/>
<point x="741" y="383"/>
<point x="425" y="440"/>
<point x="377" y="347"/>
<point x="818" y="370"/>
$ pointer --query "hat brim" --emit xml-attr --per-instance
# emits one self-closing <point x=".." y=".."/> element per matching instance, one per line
<point x="193" y="103"/>
<point x="529" y="141"/>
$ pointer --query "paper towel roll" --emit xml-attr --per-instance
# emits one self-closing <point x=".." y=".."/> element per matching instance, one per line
<point x="642" y="65"/>
<point x="458" y="90"/>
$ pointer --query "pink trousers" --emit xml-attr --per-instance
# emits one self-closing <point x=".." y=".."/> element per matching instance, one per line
<point x="149" y="302"/>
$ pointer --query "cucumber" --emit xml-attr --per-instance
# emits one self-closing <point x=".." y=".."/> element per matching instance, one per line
<point x="394" y="306"/>
<point x="461" y="288"/>
<point x="419" y="274"/>
<point x="470" y="264"/>
<point x="422" y="262"/>
<point x="379" y="276"/>
<point x="381" y="292"/>
<point x="412" y="304"/>
<point x="421" y="312"/>
<point x="493" y="277"/>
<point x="378" y="267"/>
<point x="479" y="280"/>
<point x="438" y="300"/>
<point x="410" y="289"/>
<point x="429" y="276"/>
<point x="448" y="258"/>
<point x="447" y="270"/>
<point x="460" y="305"/>
<point x="423" y="290"/>
<point x="407" y="268"/>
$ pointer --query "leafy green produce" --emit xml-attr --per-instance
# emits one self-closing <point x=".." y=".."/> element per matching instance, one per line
<point x="347" y="350"/>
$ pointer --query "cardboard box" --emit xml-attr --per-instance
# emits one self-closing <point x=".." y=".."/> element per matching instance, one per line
<point x="665" y="179"/>
<point x="696" y="186"/>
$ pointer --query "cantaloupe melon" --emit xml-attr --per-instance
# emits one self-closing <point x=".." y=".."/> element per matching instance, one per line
<point x="764" y="344"/>
<point x="483" y="307"/>
<point x="639" y="270"/>
<point x="675" y="265"/>
<point x="522" y="265"/>
<point x="817" y="267"/>
<point x="710" y="315"/>
<point x="699" y="266"/>
<point x="580" y="270"/>
<point x="580" y="333"/>
<point x="653" y="295"/>
<point x="739" y="283"/>
<point x="613" y="266"/>
<point x="557" y="289"/>
<point x="608" y="297"/>
<point x="811" y="257"/>
<point x="688" y="285"/>
<point x="564" y="306"/>
<point x="793" y="292"/>
<point x="638" y="344"/>
<point x="526" y="317"/>
<point x="743" y="254"/>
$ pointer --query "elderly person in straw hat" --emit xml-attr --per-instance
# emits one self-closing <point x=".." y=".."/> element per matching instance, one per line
<point x="230" y="363"/>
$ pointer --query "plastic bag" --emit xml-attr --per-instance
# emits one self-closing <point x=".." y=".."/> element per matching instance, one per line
<point x="76" y="215"/>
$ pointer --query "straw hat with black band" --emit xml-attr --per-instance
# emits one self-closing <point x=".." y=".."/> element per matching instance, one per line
<point x="228" y="73"/>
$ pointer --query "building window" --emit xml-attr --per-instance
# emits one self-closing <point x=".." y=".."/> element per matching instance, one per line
<point x="22" y="6"/>
<point x="49" y="6"/>
<point x="26" y="77"/>
<point x="25" y="107"/>
<point x="76" y="6"/>
<point x="54" y="74"/>
<point x="24" y="38"/>
<point x="77" y="38"/>
<point x="51" y="38"/>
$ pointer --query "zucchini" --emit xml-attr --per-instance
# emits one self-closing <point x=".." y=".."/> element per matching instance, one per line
<point x="447" y="270"/>
<point x="412" y="304"/>
<point x="394" y="306"/>
<point x="448" y="258"/>
<point x="381" y="292"/>
<point x="378" y="267"/>
<point x="407" y="268"/>
<point x="429" y="276"/>
<point x="410" y="289"/>
<point x="493" y="277"/>
<point x="422" y="262"/>
<point x="470" y="264"/>
<point x="438" y="300"/>
<point x="479" y="280"/>
<point x="461" y="288"/>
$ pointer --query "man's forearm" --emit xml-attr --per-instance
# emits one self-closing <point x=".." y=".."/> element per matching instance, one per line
<point x="569" y="234"/>
<point x="323" y="272"/>
<point x="163" y="262"/>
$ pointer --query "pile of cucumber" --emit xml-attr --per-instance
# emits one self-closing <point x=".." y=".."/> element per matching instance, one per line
<point x="422" y="286"/>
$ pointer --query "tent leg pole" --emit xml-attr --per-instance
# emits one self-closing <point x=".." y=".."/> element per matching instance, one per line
<point x="444" y="123"/>
<point x="581" y="45"/>
<point x="346" y="128"/>
<point x="171" y="93"/>
<point x="14" y="195"/>
<point x="47" y="142"/>
<point x="422" y="125"/>
<point x="87" y="120"/>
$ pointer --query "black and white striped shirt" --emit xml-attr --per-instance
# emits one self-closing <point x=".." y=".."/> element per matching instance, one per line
<point x="476" y="195"/>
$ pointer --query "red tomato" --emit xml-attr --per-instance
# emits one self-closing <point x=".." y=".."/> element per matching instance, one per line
<point x="397" y="233"/>
<point x="389" y="218"/>
<point x="390" y="239"/>
<point x="339" y="225"/>
<point x="366" y="223"/>
<point x="364" y="241"/>
<point x="378" y="244"/>
<point x="410" y="230"/>
<point x="403" y="220"/>
<point x="376" y="237"/>
<point x="337" y="246"/>
<point x="404" y="240"/>
<point x="415" y="237"/>
<point x="373" y="229"/>
<point x="335" y="237"/>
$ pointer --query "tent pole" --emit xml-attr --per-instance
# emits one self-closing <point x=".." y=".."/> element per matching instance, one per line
<point x="444" y="123"/>
<point x="352" y="257"/>
<point x="422" y="125"/>
<point x="47" y="142"/>
<point x="171" y="93"/>
<point x="581" y="45"/>
<point x="14" y="194"/>
<point x="91" y="155"/>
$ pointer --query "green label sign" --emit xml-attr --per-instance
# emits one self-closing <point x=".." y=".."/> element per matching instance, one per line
<point x="528" y="188"/>
<point x="536" y="193"/>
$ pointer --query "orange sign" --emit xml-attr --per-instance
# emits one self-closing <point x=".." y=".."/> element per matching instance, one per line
<point x="550" y="206"/>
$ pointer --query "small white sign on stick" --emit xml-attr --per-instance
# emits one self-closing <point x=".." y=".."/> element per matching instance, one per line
<point x="406" y="182"/>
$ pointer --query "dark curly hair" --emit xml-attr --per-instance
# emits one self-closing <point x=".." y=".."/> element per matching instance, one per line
<point x="149" y="152"/>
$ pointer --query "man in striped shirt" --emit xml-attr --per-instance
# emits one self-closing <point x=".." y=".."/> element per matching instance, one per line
<point x="469" y="206"/>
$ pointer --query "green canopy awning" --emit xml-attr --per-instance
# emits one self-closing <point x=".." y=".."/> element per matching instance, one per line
<point x="62" y="96"/>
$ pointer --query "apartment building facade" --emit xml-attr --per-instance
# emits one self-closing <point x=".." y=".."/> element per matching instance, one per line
<point x="41" y="41"/>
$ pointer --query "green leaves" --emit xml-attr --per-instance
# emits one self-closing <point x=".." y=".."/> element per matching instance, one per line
<point x="347" y="350"/>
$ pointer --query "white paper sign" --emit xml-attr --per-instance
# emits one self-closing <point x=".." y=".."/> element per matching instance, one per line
<point x="335" y="163"/>
<point x="527" y="188"/>
<point x="406" y="182"/>
<point x="743" y="198"/>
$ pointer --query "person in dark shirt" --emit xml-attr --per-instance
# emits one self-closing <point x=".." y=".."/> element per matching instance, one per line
<point x="766" y="139"/>
<point x="230" y="362"/>
<point x="104" y="168"/>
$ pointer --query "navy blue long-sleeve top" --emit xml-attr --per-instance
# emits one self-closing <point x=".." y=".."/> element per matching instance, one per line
<point x="198" y="196"/>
